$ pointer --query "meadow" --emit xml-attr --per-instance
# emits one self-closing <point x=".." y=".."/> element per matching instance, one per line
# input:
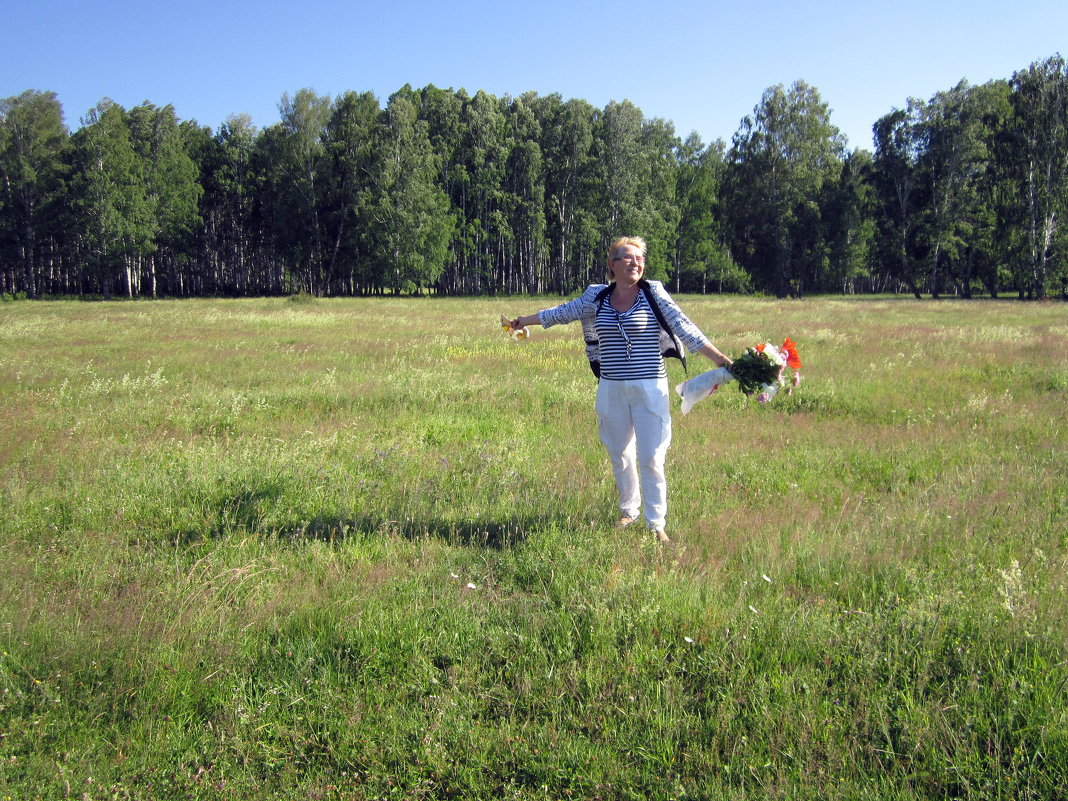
<point x="365" y="549"/>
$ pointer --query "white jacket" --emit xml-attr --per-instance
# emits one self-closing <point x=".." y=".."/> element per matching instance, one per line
<point x="584" y="308"/>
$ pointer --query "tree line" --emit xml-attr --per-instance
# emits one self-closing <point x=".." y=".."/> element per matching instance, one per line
<point x="457" y="194"/>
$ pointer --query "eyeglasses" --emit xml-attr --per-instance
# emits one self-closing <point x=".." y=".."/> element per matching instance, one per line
<point x="634" y="259"/>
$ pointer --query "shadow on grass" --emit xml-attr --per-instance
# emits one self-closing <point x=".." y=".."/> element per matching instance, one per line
<point x="241" y="515"/>
<point x="229" y="512"/>
<point x="498" y="533"/>
<point x="253" y="507"/>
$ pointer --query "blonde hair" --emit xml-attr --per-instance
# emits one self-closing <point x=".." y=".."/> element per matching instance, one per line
<point x="625" y="241"/>
<point x="633" y="241"/>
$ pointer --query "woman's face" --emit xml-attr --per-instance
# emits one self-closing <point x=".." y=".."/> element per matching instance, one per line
<point x="626" y="264"/>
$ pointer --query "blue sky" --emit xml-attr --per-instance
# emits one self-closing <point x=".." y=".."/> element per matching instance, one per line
<point x="702" y="65"/>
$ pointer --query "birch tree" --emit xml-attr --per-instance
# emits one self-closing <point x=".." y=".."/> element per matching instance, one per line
<point x="572" y="192"/>
<point x="899" y="192"/>
<point x="409" y="226"/>
<point x="32" y="143"/>
<point x="780" y="159"/>
<point x="172" y="187"/>
<point x="1040" y="101"/>
<point x="109" y="200"/>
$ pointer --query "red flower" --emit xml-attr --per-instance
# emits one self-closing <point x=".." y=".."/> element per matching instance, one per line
<point x="789" y="347"/>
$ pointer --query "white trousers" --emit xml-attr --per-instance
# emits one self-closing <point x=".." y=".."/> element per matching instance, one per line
<point x="634" y="420"/>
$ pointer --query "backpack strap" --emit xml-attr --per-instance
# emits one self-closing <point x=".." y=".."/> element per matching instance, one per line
<point x="599" y="298"/>
<point x="675" y="352"/>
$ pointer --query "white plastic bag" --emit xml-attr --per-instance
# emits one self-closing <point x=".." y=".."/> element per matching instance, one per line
<point x="701" y="386"/>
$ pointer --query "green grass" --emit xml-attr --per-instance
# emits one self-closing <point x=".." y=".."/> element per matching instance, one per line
<point x="356" y="549"/>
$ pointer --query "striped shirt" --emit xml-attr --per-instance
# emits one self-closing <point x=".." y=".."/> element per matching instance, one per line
<point x="584" y="309"/>
<point x="630" y="342"/>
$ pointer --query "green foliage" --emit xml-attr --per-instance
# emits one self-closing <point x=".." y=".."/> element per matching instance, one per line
<point x="781" y="160"/>
<point x="448" y="193"/>
<point x="295" y="160"/>
<point x="110" y="196"/>
<point x="33" y="141"/>
<point x="410" y="228"/>
<point x="754" y="370"/>
<point x="1040" y="167"/>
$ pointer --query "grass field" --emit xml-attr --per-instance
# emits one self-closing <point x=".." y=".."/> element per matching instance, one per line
<point x="356" y="549"/>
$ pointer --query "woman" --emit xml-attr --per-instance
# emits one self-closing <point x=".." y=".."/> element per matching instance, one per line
<point x="624" y="318"/>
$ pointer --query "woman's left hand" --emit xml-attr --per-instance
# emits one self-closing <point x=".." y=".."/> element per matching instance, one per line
<point x="713" y="354"/>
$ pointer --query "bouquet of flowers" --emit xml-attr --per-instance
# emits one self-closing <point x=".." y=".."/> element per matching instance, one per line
<point x="759" y="370"/>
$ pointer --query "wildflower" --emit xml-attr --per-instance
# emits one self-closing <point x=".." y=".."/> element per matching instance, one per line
<point x="789" y="348"/>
